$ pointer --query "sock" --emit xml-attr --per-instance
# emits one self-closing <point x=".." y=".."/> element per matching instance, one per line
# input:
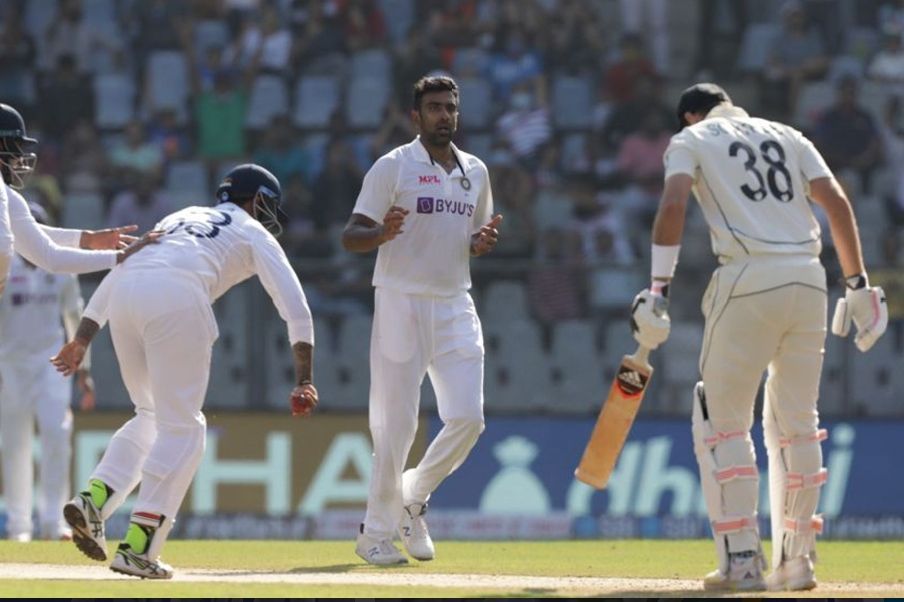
<point x="141" y="530"/>
<point x="99" y="491"/>
<point x="138" y="537"/>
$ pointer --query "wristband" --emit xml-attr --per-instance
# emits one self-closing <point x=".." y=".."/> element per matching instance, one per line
<point x="664" y="259"/>
<point x="856" y="282"/>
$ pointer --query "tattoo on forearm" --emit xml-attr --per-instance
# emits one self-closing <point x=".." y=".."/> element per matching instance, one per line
<point x="304" y="363"/>
<point x="86" y="330"/>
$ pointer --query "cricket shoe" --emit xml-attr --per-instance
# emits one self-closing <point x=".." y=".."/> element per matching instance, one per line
<point x="792" y="575"/>
<point x="380" y="552"/>
<point x="127" y="562"/>
<point x="745" y="574"/>
<point x="19" y="537"/>
<point x="414" y="533"/>
<point x="87" y="526"/>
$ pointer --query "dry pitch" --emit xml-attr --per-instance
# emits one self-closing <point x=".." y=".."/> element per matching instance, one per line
<point x="464" y="569"/>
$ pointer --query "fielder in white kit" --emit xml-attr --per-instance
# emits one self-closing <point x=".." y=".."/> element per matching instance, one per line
<point x="427" y="206"/>
<point x="163" y="330"/>
<point x="31" y="331"/>
<point x="765" y="310"/>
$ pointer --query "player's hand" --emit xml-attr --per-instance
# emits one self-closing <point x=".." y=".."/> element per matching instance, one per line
<point x="146" y="239"/>
<point x="86" y="386"/>
<point x="109" y="239"/>
<point x="69" y="358"/>
<point x="650" y="321"/>
<point x="867" y="308"/>
<point x="484" y="241"/>
<point x="303" y="400"/>
<point x="392" y="223"/>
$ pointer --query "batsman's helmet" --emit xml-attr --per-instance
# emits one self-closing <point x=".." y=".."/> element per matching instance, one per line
<point x="250" y="182"/>
<point x="16" y="162"/>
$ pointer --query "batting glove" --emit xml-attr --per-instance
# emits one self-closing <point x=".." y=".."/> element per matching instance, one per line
<point x="866" y="307"/>
<point x="650" y="318"/>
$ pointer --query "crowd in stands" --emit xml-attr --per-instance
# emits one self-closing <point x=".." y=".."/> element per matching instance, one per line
<point x="141" y="105"/>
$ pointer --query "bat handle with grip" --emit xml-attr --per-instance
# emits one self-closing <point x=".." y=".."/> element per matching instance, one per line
<point x="642" y="356"/>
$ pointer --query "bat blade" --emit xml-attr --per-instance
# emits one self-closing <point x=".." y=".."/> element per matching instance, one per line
<point x="615" y="419"/>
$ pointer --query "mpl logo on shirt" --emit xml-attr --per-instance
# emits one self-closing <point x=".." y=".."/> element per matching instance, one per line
<point x="429" y="204"/>
<point x="433" y="179"/>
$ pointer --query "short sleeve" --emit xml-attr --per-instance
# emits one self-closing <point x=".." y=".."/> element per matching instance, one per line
<point x="680" y="157"/>
<point x="812" y="165"/>
<point x="378" y="189"/>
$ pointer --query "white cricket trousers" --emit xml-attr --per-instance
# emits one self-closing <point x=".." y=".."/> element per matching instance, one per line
<point x="32" y="389"/>
<point x="163" y="329"/>
<point x="762" y="315"/>
<point x="413" y="335"/>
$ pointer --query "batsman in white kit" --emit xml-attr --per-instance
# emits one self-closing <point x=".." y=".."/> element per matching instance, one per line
<point x="765" y="311"/>
<point x="427" y="206"/>
<point x="163" y="330"/>
<point x="34" y="310"/>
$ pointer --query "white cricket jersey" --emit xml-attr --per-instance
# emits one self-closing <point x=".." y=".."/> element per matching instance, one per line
<point x="218" y="247"/>
<point x="432" y="254"/>
<point x="31" y="312"/>
<point x="751" y="178"/>
<point x="38" y="245"/>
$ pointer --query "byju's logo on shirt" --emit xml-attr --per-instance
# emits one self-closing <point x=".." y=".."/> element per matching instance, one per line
<point x="428" y="204"/>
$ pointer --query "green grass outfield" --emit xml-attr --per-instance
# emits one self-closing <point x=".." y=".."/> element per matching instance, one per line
<point x="850" y="562"/>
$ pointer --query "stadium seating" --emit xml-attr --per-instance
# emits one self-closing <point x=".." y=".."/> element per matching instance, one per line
<point x="269" y="99"/>
<point x="115" y="100"/>
<point x="316" y="98"/>
<point x="572" y="101"/>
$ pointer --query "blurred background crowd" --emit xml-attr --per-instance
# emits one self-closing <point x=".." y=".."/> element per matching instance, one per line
<point x="141" y="105"/>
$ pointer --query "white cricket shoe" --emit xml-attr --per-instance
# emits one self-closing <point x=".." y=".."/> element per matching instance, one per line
<point x="19" y="537"/>
<point x="793" y="575"/>
<point x="745" y="574"/>
<point x="87" y="526"/>
<point x="414" y="533"/>
<point x="380" y="552"/>
<point x="127" y="562"/>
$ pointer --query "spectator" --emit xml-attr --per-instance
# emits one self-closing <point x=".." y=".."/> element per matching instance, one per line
<point x="515" y="62"/>
<point x="627" y="117"/>
<point x="513" y="193"/>
<point x="281" y="153"/>
<point x="17" y="60"/>
<point x="603" y="232"/>
<point x="887" y="67"/>
<point x="417" y="56"/>
<point x="169" y="137"/>
<point x="70" y="34"/>
<point x="525" y="125"/>
<point x="337" y="187"/>
<point x="302" y="238"/>
<point x="207" y="67"/>
<point x="318" y="36"/>
<point x="640" y="157"/>
<point x="220" y="119"/>
<point x="135" y="153"/>
<point x="83" y="160"/>
<point x="141" y="203"/>
<point x="623" y="76"/>
<point x="555" y="287"/>
<point x="798" y="55"/>
<point x="847" y="136"/>
<point x="159" y="25"/>
<point x="274" y="46"/>
<point x="717" y="47"/>
<point x="363" y="24"/>
<point x="66" y="99"/>
<point x="893" y="147"/>
<point x="395" y="130"/>
<point x="649" y="16"/>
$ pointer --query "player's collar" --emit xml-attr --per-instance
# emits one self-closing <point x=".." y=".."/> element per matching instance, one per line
<point x="421" y="154"/>
<point x="727" y="111"/>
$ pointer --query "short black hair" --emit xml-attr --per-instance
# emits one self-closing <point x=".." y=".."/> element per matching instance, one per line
<point x="439" y="83"/>
<point x="700" y="98"/>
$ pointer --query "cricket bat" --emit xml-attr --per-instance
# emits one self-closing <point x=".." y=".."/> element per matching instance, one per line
<point x="615" y="419"/>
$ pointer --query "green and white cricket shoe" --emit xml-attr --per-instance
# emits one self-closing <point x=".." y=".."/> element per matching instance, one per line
<point x="127" y="562"/>
<point x="380" y="552"/>
<point x="745" y="574"/>
<point x="87" y="526"/>
<point x="414" y="533"/>
<point x="793" y="575"/>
